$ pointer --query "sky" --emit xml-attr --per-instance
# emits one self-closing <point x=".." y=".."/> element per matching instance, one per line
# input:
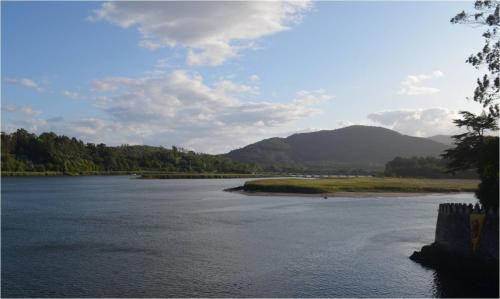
<point x="215" y="76"/>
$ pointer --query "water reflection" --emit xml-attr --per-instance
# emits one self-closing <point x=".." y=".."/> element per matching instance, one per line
<point x="122" y="237"/>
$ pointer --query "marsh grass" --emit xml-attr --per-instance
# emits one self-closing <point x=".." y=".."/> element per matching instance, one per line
<point x="360" y="184"/>
<point x="201" y="175"/>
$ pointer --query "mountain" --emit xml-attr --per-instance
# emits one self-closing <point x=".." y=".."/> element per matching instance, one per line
<point x="444" y="139"/>
<point x="354" y="147"/>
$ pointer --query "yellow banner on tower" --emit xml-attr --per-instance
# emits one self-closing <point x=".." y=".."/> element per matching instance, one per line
<point x="476" y="225"/>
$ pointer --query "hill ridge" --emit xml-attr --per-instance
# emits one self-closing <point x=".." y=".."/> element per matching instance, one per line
<point x="358" y="146"/>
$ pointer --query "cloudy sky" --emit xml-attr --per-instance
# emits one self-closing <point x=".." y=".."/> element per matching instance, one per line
<point x="213" y="76"/>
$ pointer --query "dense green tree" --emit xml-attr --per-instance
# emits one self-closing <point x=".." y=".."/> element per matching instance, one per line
<point x="24" y="151"/>
<point x="423" y="167"/>
<point x="474" y="150"/>
<point x="488" y="170"/>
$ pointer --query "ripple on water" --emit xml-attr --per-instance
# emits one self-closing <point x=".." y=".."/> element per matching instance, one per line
<point x="116" y="237"/>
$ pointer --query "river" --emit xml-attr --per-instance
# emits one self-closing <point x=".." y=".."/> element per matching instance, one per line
<point x="117" y="236"/>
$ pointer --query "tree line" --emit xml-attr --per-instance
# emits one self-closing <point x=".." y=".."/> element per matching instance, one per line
<point x="425" y="167"/>
<point x="23" y="151"/>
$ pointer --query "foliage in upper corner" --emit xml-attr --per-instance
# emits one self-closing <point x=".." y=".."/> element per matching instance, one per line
<point x="487" y="92"/>
<point x="474" y="150"/>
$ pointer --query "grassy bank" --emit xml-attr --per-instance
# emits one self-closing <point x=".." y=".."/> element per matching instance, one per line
<point x="360" y="184"/>
<point x="201" y="175"/>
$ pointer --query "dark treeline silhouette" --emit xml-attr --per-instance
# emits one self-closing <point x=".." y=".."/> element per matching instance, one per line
<point x="424" y="167"/>
<point x="23" y="151"/>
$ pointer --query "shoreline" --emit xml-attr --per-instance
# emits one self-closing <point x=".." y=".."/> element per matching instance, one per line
<point x="359" y="187"/>
<point x="146" y="175"/>
<point x="354" y="194"/>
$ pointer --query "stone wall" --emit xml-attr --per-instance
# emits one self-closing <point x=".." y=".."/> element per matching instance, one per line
<point x="453" y="230"/>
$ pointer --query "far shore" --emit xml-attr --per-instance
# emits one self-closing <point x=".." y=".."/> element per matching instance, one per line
<point x="142" y="174"/>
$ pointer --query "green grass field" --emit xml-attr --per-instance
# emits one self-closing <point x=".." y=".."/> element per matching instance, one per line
<point x="360" y="184"/>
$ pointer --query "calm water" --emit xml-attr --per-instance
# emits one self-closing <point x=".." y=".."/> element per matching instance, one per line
<point x="123" y="237"/>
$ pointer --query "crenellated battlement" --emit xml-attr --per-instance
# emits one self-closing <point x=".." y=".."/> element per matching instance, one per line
<point x="466" y="209"/>
<point x="454" y="229"/>
<point x="466" y="241"/>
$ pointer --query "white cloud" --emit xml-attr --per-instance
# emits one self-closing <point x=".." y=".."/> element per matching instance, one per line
<point x="26" y="109"/>
<point x="87" y="127"/>
<point x="72" y="94"/>
<point x="417" y="122"/>
<point x="254" y="78"/>
<point x="228" y="86"/>
<point x="30" y="124"/>
<point x="162" y="63"/>
<point x="413" y="84"/>
<point x="26" y="83"/>
<point x="178" y="108"/>
<point x="312" y="97"/>
<point x="182" y="109"/>
<point x="344" y="123"/>
<point x="110" y="84"/>
<point x="212" y="32"/>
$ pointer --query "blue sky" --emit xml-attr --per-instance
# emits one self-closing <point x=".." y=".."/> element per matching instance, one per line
<point x="216" y="75"/>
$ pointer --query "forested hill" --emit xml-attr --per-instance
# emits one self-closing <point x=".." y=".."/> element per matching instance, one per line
<point x="444" y="139"/>
<point x="351" y="150"/>
<point x="354" y="147"/>
<point x="23" y="151"/>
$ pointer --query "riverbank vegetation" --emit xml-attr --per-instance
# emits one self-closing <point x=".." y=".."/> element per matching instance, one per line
<point x="143" y="174"/>
<point x="51" y="154"/>
<point x="202" y="175"/>
<point x="360" y="184"/>
<point x="425" y="167"/>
